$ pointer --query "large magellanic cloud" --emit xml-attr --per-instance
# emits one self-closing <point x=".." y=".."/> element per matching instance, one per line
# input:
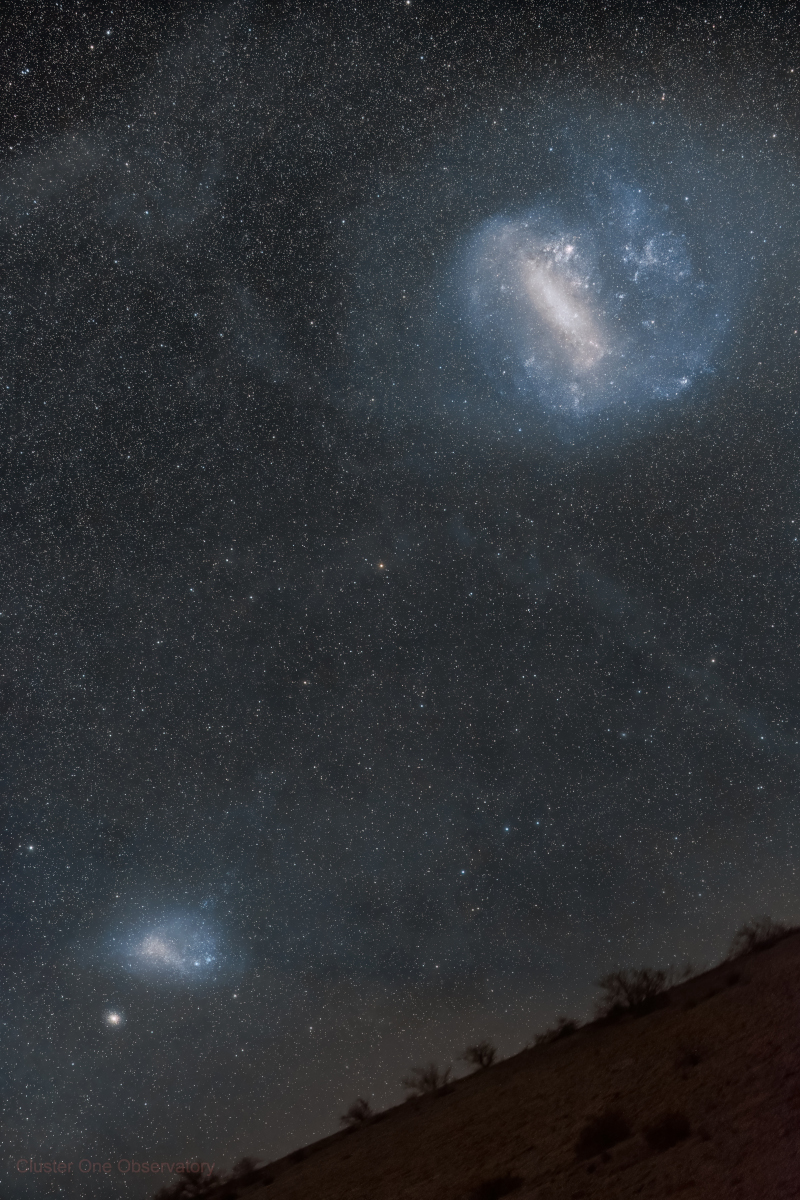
<point x="564" y="272"/>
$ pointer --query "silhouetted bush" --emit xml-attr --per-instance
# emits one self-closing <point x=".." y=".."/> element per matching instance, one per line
<point x="632" y="991"/>
<point x="188" y="1185"/>
<point x="242" y="1176"/>
<point x="185" y="1186"/>
<point x="601" y="1133"/>
<point x="501" y="1185"/>
<point x="427" y="1080"/>
<point x="758" y="934"/>
<point x="358" y="1112"/>
<point x="481" y="1055"/>
<point x="564" y="1027"/>
<point x="244" y="1168"/>
<point x="667" y="1131"/>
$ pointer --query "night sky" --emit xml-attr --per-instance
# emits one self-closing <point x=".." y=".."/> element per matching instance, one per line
<point x="399" y="525"/>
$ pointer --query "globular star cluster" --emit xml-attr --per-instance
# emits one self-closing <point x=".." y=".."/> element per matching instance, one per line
<point x="400" y="529"/>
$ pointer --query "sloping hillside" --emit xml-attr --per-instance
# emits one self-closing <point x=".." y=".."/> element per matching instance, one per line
<point x="722" y="1056"/>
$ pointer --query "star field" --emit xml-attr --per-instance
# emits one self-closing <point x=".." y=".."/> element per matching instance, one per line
<point x="400" y="528"/>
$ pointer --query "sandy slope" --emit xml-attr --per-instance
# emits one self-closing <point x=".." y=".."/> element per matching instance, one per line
<point x="523" y="1116"/>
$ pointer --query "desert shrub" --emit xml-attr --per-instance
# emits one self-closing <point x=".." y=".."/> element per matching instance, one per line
<point x="601" y="1133"/>
<point x="427" y="1080"/>
<point x="632" y="990"/>
<point x="501" y="1185"/>
<point x="564" y="1027"/>
<point x="241" y="1176"/>
<point x="186" y="1186"/>
<point x="667" y="1131"/>
<point x="758" y="934"/>
<point x="189" y="1186"/>
<point x="244" y="1169"/>
<point x="358" y="1112"/>
<point x="481" y="1055"/>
